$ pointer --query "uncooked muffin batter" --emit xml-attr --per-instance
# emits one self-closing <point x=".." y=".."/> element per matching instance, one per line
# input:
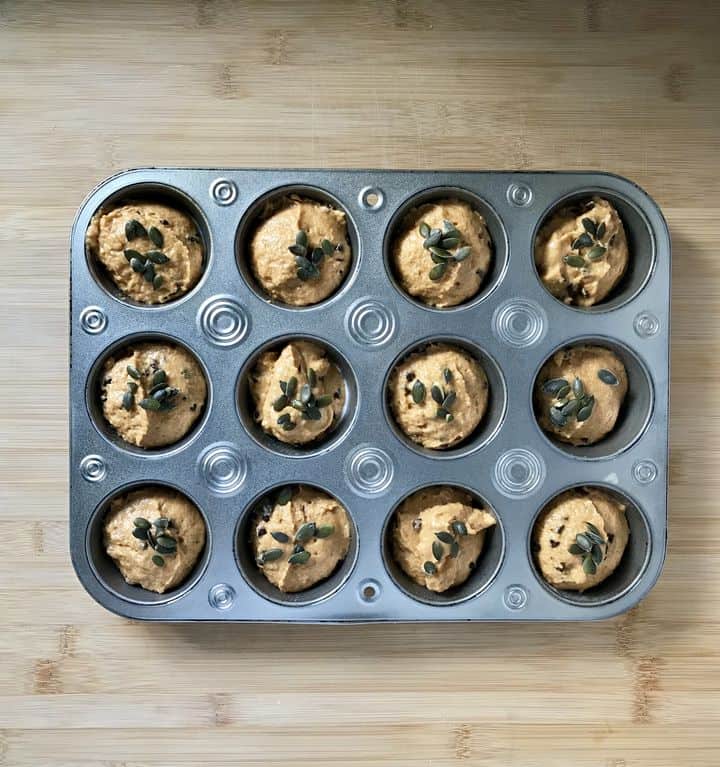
<point x="438" y="536"/>
<point x="152" y="393"/>
<point x="298" y="392"/>
<point x="579" y="393"/>
<point x="300" y="535"/>
<point x="438" y="396"/>
<point x="580" y="538"/>
<point x="155" y="536"/>
<point x="582" y="252"/>
<point x="300" y="252"/>
<point x="152" y="252"/>
<point x="442" y="252"/>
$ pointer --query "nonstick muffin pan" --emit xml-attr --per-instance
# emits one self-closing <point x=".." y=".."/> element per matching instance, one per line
<point x="226" y="463"/>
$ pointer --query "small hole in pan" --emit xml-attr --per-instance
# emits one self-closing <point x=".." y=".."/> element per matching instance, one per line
<point x="482" y="575"/>
<point x="246" y="405"/>
<point x="641" y="246"/>
<point x="260" y="209"/>
<point x="250" y="571"/>
<point x="153" y="193"/>
<point x="631" y="567"/>
<point x="635" y="412"/>
<point x="107" y="572"/>
<point x="94" y="404"/>
<point x="495" y="227"/>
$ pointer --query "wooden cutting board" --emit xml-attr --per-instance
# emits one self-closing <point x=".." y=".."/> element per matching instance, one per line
<point x="90" y="88"/>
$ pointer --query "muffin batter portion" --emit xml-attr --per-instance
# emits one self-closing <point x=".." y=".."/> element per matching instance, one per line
<point x="438" y="535"/>
<point x="299" y="536"/>
<point x="582" y="252"/>
<point x="155" y="536"/>
<point x="153" y="393"/>
<point x="580" y="538"/>
<point x="438" y="396"/>
<point x="579" y="393"/>
<point x="442" y="252"/>
<point x="298" y="392"/>
<point x="152" y="252"/>
<point x="300" y="253"/>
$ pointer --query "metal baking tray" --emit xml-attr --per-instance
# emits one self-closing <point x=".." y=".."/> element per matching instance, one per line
<point x="226" y="464"/>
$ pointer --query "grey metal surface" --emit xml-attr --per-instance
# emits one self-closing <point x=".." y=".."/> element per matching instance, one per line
<point x="225" y="465"/>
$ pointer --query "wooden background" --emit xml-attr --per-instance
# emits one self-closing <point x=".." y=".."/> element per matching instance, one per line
<point x="90" y="88"/>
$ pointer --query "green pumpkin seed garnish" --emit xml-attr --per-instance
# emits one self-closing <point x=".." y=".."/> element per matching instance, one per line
<point x="301" y="238"/>
<point x="128" y="400"/>
<point x="608" y="377"/>
<point x="585" y="411"/>
<point x="156" y="257"/>
<point x="137" y="265"/>
<point x="142" y="523"/>
<point x="269" y="555"/>
<point x="133" y="372"/>
<point x="305" y="394"/>
<point x="444" y="537"/>
<point x="437" y="550"/>
<point x="305" y="532"/>
<point x="130" y="254"/>
<point x="284" y="496"/>
<point x="557" y="418"/>
<point x="324" y="531"/>
<point x="429" y="568"/>
<point x="140" y="533"/>
<point x="437" y="272"/>
<point x="437" y="394"/>
<point x="159" y="376"/>
<point x="434" y="238"/>
<point x="424" y="230"/>
<point x="158" y="561"/>
<point x="462" y="253"/>
<point x="578" y="262"/>
<point x="601" y="231"/>
<point x="449" y="242"/>
<point x="578" y="388"/>
<point x="583" y="541"/>
<point x="162" y="523"/>
<point x="156" y="236"/>
<point x="554" y="385"/>
<point x="440" y="252"/>
<point x="158" y="281"/>
<point x="597" y="554"/>
<point x="280" y="403"/>
<point x="447" y="375"/>
<point x="596" y="252"/>
<point x="150" y="403"/>
<point x="324" y="401"/>
<point x="134" y="229"/>
<point x="588" y="565"/>
<point x="583" y="241"/>
<point x="418" y="392"/>
<point x="280" y="537"/>
<point x="590" y="226"/>
<point x="460" y="528"/>
<point x="167" y="542"/>
<point x="327" y="247"/>
<point x="291" y="387"/>
<point x="563" y="392"/>
<point x="300" y="558"/>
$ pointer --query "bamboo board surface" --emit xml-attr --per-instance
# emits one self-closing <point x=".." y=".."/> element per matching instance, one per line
<point x="91" y="88"/>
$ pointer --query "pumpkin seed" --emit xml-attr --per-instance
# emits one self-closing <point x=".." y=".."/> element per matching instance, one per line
<point x="305" y="394"/>
<point x="167" y="542"/>
<point x="298" y="250"/>
<point x="557" y="418"/>
<point x="327" y="247"/>
<point x="150" y="403"/>
<point x="142" y="523"/>
<point x="596" y="252"/>
<point x="162" y="523"/>
<point x="583" y="241"/>
<point x="300" y="558"/>
<point x="583" y="541"/>
<point x="130" y="254"/>
<point x="149" y="272"/>
<point x="437" y="550"/>
<point x="608" y="377"/>
<point x="429" y="568"/>
<point x="134" y="229"/>
<point x="447" y="375"/>
<point x="160" y="376"/>
<point x="128" y="400"/>
<point x="418" y="392"/>
<point x="280" y="403"/>
<point x="317" y="255"/>
<point x="589" y="567"/>
<point x="133" y="372"/>
<point x="305" y="532"/>
<point x="573" y="548"/>
<point x="140" y="533"/>
<point x="288" y="425"/>
<point x="280" y="537"/>
<point x="578" y="388"/>
<point x="158" y="281"/>
<point x="156" y="236"/>
<point x="462" y="253"/>
<point x="301" y="238"/>
<point x="590" y="226"/>
<point x="137" y="265"/>
<point x="324" y="531"/>
<point x="592" y="528"/>
<point x="324" y="401"/>
<point x="554" y="385"/>
<point x="437" y="394"/>
<point x="601" y="231"/>
<point x="449" y="401"/>
<point x="437" y="271"/>
<point x="575" y="261"/>
<point x="284" y="496"/>
<point x="444" y="537"/>
<point x="270" y="555"/>
<point x="570" y="408"/>
<point x="460" y="528"/>
<point x="585" y="411"/>
<point x="424" y="230"/>
<point x="312" y="413"/>
<point x="291" y="386"/>
<point x="449" y="242"/>
<point x="157" y="560"/>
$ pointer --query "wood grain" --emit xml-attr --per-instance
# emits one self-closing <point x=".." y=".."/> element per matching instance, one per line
<point x="90" y="88"/>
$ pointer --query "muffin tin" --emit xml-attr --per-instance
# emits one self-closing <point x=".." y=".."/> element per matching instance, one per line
<point x="226" y="464"/>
